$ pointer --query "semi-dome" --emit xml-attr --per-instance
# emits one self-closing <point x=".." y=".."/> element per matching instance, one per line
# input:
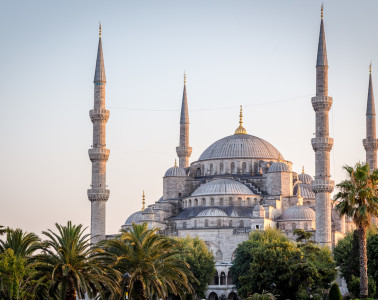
<point x="305" y="178"/>
<point x="175" y="172"/>
<point x="212" y="212"/>
<point x="222" y="187"/>
<point x="278" y="167"/>
<point x="240" y="146"/>
<point x="298" y="213"/>
<point x="134" y="218"/>
<point x="306" y="190"/>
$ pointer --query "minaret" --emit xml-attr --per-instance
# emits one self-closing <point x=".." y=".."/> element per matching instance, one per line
<point x="184" y="150"/>
<point x="143" y="201"/>
<point x="98" y="154"/>
<point x="322" y="145"/>
<point x="370" y="143"/>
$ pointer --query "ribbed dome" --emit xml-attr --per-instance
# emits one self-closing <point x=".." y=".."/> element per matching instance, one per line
<point x="278" y="167"/>
<point x="305" y="178"/>
<point x="240" y="146"/>
<point x="306" y="191"/>
<point x="175" y="172"/>
<point x="222" y="187"/>
<point x="134" y="218"/>
<point x="212" y="212"/>
<point x="298" y="212"/>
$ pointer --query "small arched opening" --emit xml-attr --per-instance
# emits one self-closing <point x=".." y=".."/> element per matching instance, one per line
<point x="183" y="224"/>
<point x="219" y="223"/>
<point x="221" y="202"/>
<point x="195" y="202"/>
<point x="195" y="223"/>
<point x="239" y="201"/>
<point x="221" y="168"/>
<point x="232" y="296"/>
<point x="206" y="223"/>
<point x="244" y="167"/>
<point x="213" y="296"/>
<point x="223" y="279"/>
<point x="241" y="223"/>
<point x="215" y="279"/>
<point x="233" y="169"/>
<point x="190" y="202"/>
<point x="198" y="172"/>
<point x="230" y="201"/>
<point x="203" y="202"/>
<point x="230" y="223"/>
<point x="211" y="169"/>
<point x="229" y="278"/>
<point x="305" y="226"/>
<point x="212" y="201"/>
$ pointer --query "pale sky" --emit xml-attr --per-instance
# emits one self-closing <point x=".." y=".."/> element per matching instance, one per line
<point x="260" y="54"/>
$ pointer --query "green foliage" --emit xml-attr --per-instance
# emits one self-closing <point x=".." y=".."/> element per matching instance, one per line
<point x="22" y="243"/>
<point x="14" y="276"/>
<point x="354" y="286"/>
<point x="152" y="260"/>
<point x="334" y="292"/>
<point x="268" y="257"/>
<point x="263" y="296"/>
<point x="303" y="236"/>
<point x="201" y="262"/>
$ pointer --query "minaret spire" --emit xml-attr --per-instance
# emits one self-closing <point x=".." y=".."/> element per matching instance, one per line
<point x="98" y="194"/>
<point x="322" y="145"/>
<point x="184" y="150"/>
<point x="371" y="142"/>
<point x="241" y="129"/>
<point x="143" y="201"/>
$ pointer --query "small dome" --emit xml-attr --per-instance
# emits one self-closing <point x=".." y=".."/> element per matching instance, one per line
<point x="134" y="218"/>
<point x="222" y="187"/>
<point x="306" y="190"/>
<point x="298" y="213"/>
<point x="212" y="212"/>
<point x="277" y="167"/>
<point x="175" y="172"/>
<point x="305" y="178"/>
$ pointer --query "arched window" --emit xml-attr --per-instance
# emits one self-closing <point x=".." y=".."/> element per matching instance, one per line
<point x="183" y="224"/>
<point x="202" y="170"/>
<point x="244" y="167"/>
<point x="249" y="201"/>
<point x="198" y="172"/>
<point x="206" y="223"/>
<point x="216" y="279"/>
<point x="203" y="202"/>
<point x="212" y="201"/>
<point x="241" y="224"/>
<point x="195" y="223"/>
<point x="190" y="202"/>
<point x="221" y="202"/>
<point x="230" y="201"/>
<point x="223" y="279"/>
<point x="229" y="278"/>
<point x="240" y="201"/>
<point x="219" y="223"/>
<point x="293" y="226"/>
<point x="305" y="226"/>
<point x="219" y="255"/>
<point x="255" y="201"/>
<point x="211" y="169"/>
<point x="230" y="223"/>
<point x="282" y="226"/>
<point x="221" y="168"/>
<point x="195" y="202"/>
<point x="233" y="168"/>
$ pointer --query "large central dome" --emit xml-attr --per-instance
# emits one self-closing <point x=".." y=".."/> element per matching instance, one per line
<point x="241" y="146"/>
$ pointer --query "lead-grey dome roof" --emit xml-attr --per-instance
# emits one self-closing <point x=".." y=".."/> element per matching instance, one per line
<point x="278" y="167"/>
<point x="222" y="187"/>
<point x="175" y="172"/>
<point x="240" y="146"/>
<point x="298" y="213"/>
<point x="305" y="178"/>
<point x="306" y="190"/>
<point x="134" y="218"/>
<point x="212" y="212"/>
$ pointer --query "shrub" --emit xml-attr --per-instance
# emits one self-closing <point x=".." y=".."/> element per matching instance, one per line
<point x="334" y="292"/>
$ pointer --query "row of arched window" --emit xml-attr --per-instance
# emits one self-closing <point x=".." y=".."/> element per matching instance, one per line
<point x="294" y="226"/>
<point x="220" y="202"/>
<point x="206" y="223"/>
<point x="222" y="279"/>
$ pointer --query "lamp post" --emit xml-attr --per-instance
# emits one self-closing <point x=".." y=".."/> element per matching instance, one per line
<point x="127" y="277"/>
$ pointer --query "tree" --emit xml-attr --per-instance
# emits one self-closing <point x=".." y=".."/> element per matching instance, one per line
<point x="152" y="260"/>
<point x="334" y="292"/>
<point x="22" y="243"/>
<point x="69" y="266"/>
<point x="269" y="261"/>
<point x="358" y="200"/>
<point x="201" y="262"/>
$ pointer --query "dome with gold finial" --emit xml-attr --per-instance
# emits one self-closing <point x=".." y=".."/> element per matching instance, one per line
<point x="175" y="171"/>
<point x="241" y="129"/>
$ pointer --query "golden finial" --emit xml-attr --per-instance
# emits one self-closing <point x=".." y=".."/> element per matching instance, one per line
<point x="279" y="157"/>
<point x="241" y="129"/>
<point x="322" y="10"/>
<point x="175" y="163"/>
<point x="143" y="201"/>
<point x="184" y="77"/>
<point x="302" y="169"/>
<point x="299" y="191"/>
<point x="99" y="27"/>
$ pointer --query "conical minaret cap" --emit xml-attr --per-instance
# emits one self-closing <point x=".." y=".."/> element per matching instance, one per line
<point x="100" y="68"/>
<point x="370" y="110"/>
<point x="184" y="119"/>
<point x="322" y="50"/>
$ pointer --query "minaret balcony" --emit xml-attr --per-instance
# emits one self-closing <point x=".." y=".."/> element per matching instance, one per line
<point x="98" y="154"/>
<point x="322" y="186"/>
<point x="186" y="152"/>
<point x="99" y="114"/>
<point x="322" y="143"/>
<point x="370" y="144"/>
<point x="321" y="103"/>
<point x="98" y="194"/>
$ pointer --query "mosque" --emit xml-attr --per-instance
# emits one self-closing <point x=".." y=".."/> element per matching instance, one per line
<point x="239" y="183"/>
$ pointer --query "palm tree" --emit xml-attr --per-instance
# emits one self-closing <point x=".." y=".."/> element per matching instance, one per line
<point x="69" y="266"/>
<point x="2" y="230"/>
<point x="22" y="243"/>
<point x="153" y="262"/>
<point x="358" y="199"/>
